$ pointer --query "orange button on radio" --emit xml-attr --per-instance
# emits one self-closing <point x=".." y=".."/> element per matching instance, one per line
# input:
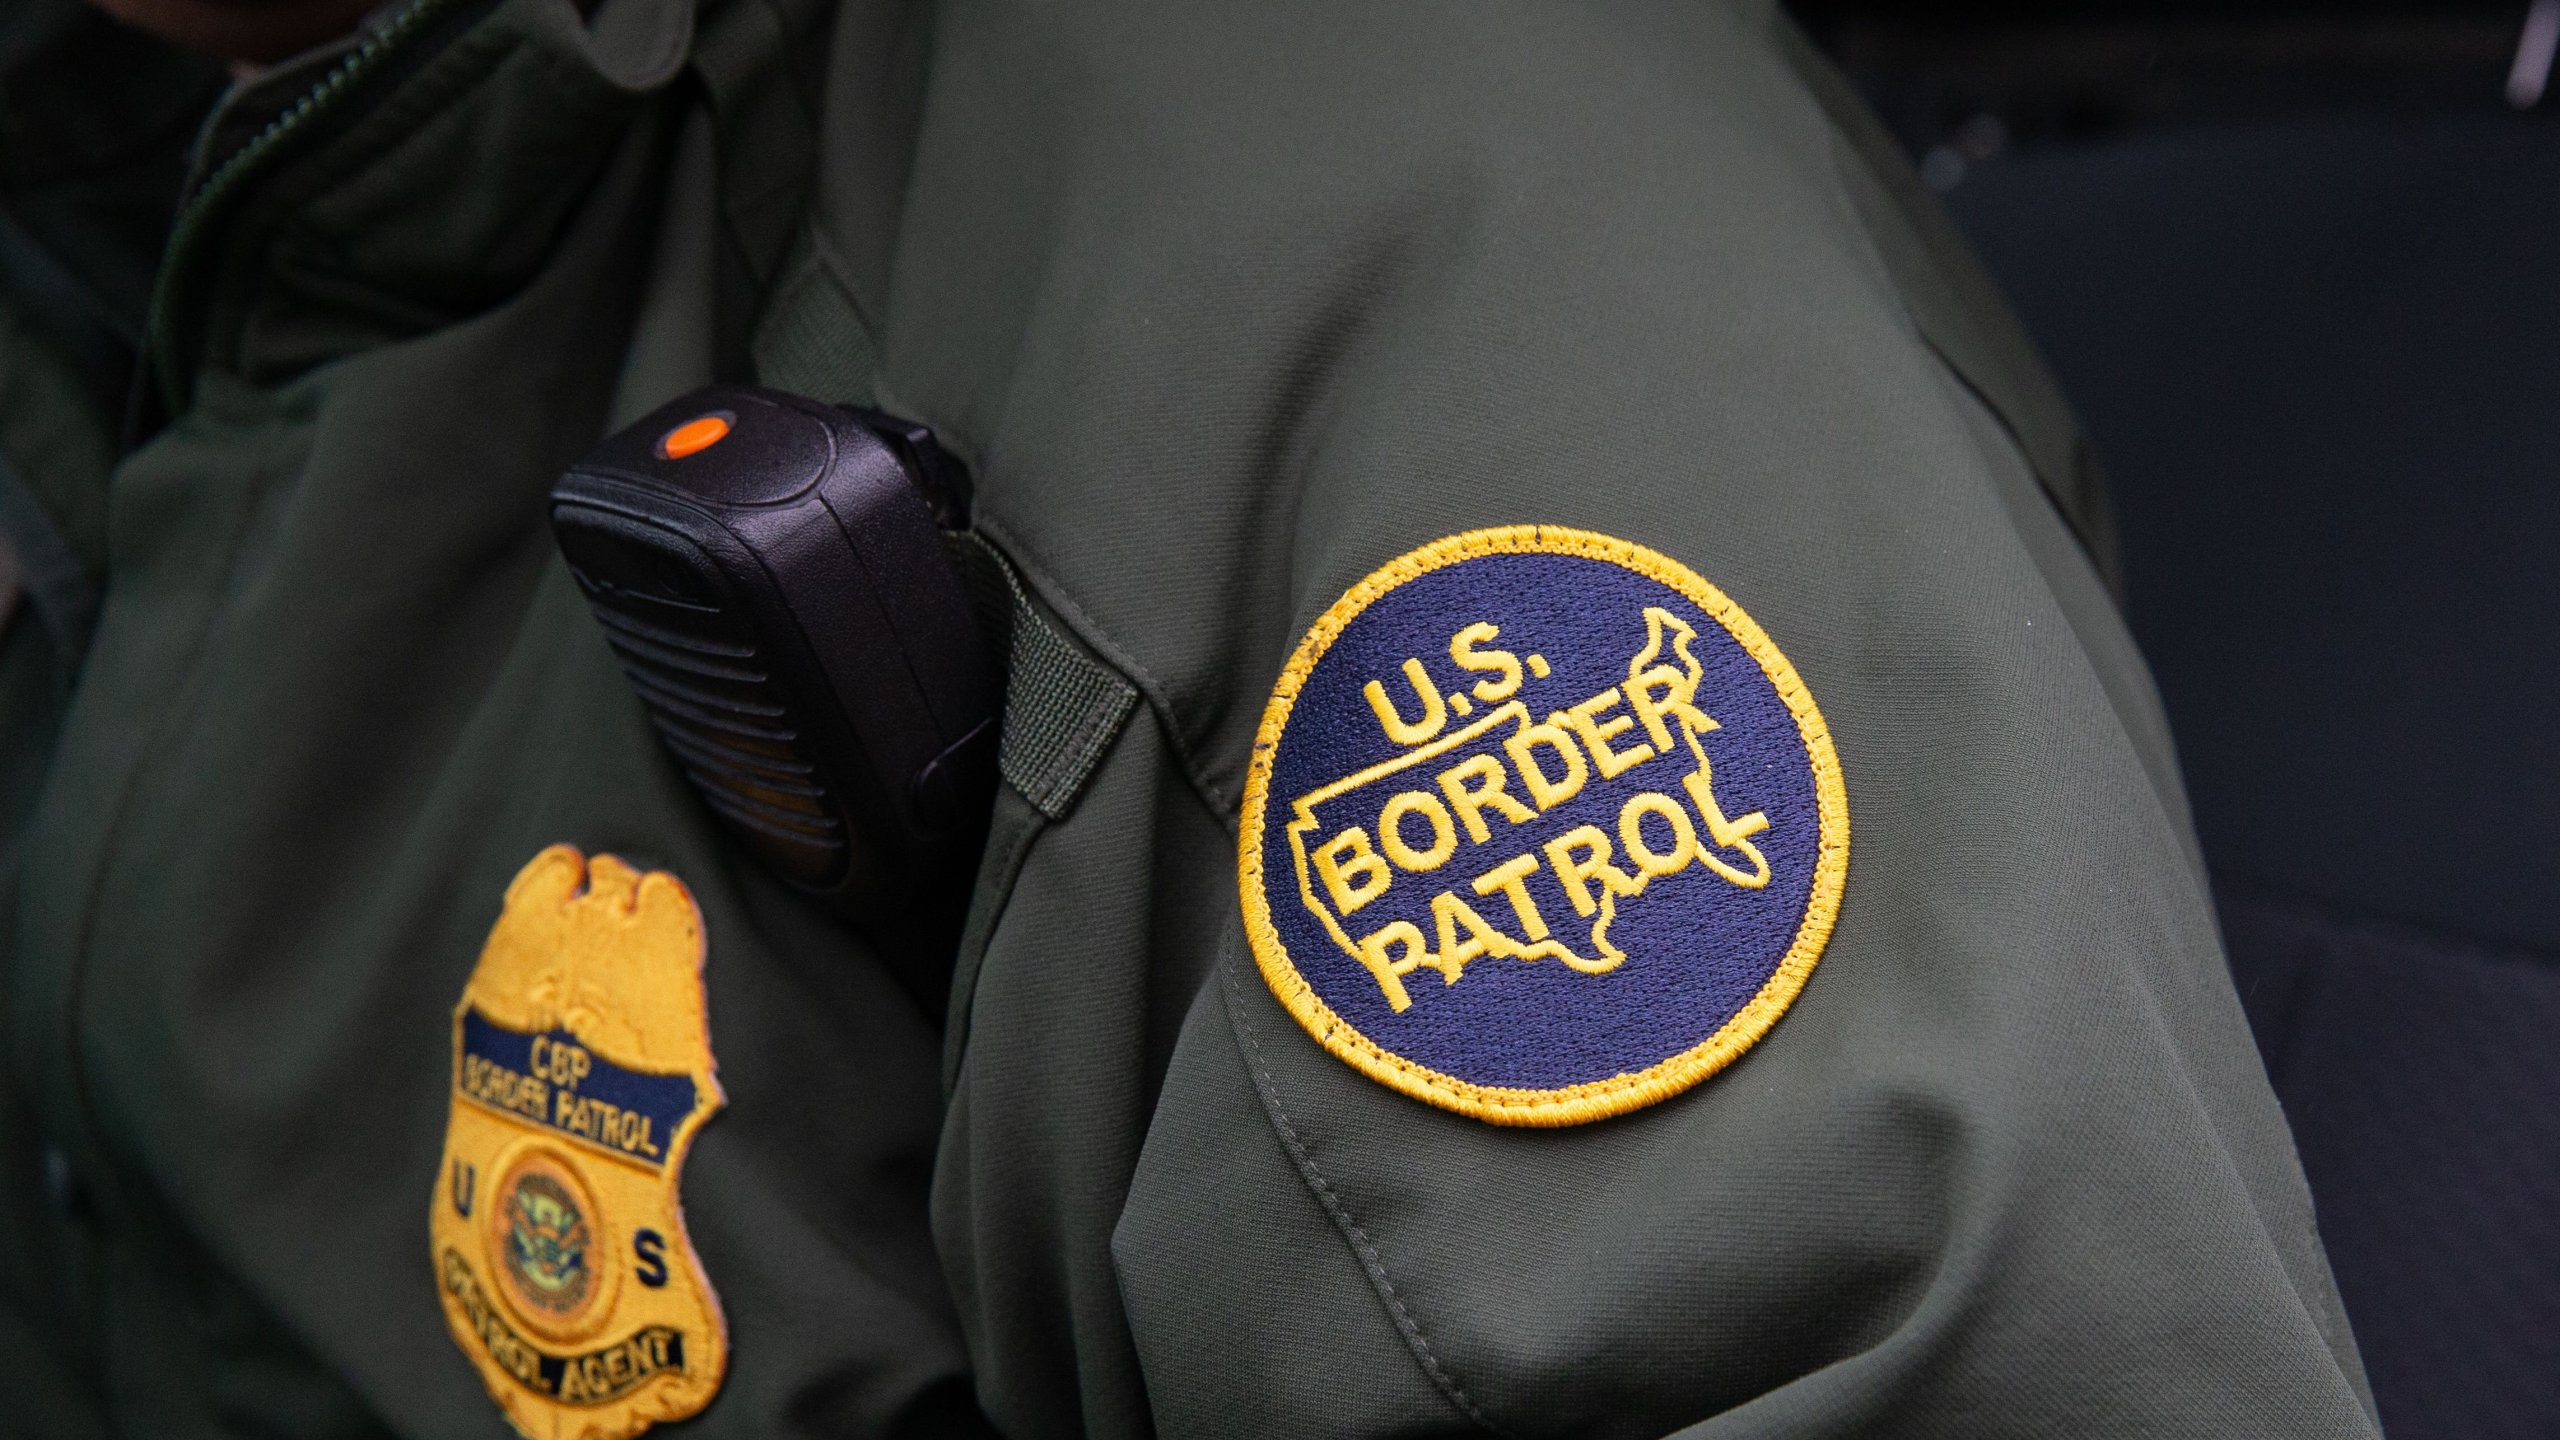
<point x="694" y="436"/>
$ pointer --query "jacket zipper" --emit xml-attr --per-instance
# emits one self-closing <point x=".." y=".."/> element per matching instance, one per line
<point x="227" y="178"/>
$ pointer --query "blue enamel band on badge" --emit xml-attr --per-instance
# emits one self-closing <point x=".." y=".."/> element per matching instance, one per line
<point x="556" y="1082"/>
<point x="1540" y="828"/>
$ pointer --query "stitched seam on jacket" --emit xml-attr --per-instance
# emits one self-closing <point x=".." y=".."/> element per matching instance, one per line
<point x="1370" y="1261"/>
<point x="2084" y="529"/>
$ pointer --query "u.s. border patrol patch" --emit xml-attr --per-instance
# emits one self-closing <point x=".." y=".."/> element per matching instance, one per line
<point x="582" y="1069"/>
<point x="1540" y="828"/>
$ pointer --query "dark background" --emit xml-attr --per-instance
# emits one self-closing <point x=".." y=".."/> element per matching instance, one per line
<point x="2298" y="268"/>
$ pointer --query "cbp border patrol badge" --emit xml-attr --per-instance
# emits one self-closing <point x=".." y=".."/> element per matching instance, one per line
<point x="1540" y="827"/>
<point x="582" y="1070"/>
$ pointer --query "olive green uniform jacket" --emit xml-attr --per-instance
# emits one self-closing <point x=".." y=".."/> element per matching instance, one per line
<point x="1225" y="306"/>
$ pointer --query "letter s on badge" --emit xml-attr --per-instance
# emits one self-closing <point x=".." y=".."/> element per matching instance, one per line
<point x="582" y="1069"/>
<point x="1540" y="827"/>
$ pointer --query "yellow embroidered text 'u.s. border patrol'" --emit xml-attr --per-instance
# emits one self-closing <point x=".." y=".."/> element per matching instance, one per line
<point x="582" y="1069"/>
<point x="1571" y="781"/>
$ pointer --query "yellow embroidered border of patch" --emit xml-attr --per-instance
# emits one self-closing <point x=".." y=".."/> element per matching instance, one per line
<point x="1594" y="1100"/>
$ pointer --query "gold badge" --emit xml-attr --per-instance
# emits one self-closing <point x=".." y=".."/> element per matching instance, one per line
<point x="582" y="1069"/>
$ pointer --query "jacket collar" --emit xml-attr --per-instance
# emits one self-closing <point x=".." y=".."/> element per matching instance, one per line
<point x="401" y="182"/>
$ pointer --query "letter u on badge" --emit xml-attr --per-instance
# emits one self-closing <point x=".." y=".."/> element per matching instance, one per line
<point x="560" y="1249"/>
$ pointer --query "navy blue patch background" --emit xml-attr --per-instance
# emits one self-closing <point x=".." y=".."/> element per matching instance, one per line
<point x="1698" y="947"/>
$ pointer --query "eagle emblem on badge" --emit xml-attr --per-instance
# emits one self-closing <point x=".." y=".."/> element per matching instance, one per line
<point x="582" y="1070"/>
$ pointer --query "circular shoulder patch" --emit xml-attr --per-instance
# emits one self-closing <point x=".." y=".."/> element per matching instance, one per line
<point x="1540" y="828"/>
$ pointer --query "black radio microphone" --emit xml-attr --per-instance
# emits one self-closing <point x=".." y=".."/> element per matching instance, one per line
<point x="775" y="577"/>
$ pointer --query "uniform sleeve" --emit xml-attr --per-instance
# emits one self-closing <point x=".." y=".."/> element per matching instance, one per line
<point x="1302" y="295"/>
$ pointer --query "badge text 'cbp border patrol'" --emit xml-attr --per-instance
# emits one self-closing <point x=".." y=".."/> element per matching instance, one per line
<point x="1540" y="827"/>
<point x="582" y="1070"/>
